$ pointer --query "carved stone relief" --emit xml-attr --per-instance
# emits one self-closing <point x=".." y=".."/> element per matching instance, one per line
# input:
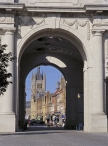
<point x="105" y="20"/>
<point x="78" y="22"/>
<point x="31" y="21"/>
<point x="97" y="20"/>
<point x="39" y="20"/>
<point x="2" y="18"/>
<point x="100" y="20"/>
<point x="26" y="21"/>
<point x="6" y="18"/>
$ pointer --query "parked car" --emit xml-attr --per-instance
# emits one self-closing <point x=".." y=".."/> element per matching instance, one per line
<point x="31" y="122"/>
<point x="40" y="122"/>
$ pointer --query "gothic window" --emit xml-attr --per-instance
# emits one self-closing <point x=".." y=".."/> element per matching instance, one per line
<point x="50" y="98"/>
<point x="34" y="98"/>
<point x="45" y="99"/>
<point x="39" y="85"/>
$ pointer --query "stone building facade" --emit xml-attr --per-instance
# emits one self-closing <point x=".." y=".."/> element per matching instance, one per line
<point x="38" y="91"/>
<point x="27" y="109"/>
<point x="72" y="36"/>
<point x="44" y="103"/>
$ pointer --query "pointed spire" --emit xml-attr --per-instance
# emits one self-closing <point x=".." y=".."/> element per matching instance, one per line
<point x="38" y="69"/>
<point x="32" y="74"/>
<point x="44" y="75"/>
<point x="61" y="76"/>
<point x="38" y="75"/>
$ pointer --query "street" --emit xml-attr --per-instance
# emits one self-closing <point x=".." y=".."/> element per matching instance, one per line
<point x="41" y="135"/>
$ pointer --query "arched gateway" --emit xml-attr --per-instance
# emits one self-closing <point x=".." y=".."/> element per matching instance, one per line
<point x="70" y="36"/>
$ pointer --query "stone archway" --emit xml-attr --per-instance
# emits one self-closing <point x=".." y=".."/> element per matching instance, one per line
<point x="85" y="50"/>
<point x="57" y="33"/>
<point x="84" y="47"/>
<point x="74" y="77"/>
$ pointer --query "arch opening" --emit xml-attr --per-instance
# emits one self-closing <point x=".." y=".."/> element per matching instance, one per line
<point x="71" y="37"/>
<point x="47" y="100"/>
<point x="62" y="54"/>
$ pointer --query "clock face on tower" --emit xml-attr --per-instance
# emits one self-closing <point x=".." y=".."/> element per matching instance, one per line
<point x="39" y="85"/>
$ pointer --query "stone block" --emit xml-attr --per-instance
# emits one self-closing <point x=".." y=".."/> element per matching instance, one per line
<point x="98" y="123"/>
<point x="7" y="123"/>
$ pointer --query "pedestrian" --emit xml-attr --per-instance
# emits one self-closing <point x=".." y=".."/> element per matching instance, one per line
<point x="55" y="121"/>
<point x="63" y="124"/>
<point x="47" y="122"/>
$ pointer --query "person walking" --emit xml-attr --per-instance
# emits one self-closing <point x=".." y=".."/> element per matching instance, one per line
<point x="55" y="121"/>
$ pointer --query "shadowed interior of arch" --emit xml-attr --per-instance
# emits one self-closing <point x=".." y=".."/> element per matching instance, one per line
<point x="60" y="53"/>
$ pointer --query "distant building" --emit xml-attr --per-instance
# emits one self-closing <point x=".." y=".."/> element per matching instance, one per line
<point x="59" y="97"/>
<point x="45" y="103"/>
<point x="38" y="91"/>
<point x="28" y="107"/>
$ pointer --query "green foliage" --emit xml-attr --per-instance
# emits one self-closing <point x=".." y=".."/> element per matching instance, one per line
<point x="4" y="63"/>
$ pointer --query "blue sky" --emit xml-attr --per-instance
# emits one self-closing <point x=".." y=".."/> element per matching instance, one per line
<point x="52" y="76"/>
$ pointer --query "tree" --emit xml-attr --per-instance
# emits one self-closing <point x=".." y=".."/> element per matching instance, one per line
<point x="5" y="58"/>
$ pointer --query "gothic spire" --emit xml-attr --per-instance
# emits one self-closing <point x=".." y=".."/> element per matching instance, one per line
<point x="38" y="75"/>
<point x="38" y="69"/>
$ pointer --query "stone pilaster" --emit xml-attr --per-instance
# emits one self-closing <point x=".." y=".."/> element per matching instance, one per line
<point x="8" y="100"/>
<point x="98" y="118"/>
<point x="98" y="73"/>
<point x="85" y="100"/>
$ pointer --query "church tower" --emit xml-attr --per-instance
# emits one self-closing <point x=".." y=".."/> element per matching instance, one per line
<point x="38" y="84"/>
<point x="40" y="81"/>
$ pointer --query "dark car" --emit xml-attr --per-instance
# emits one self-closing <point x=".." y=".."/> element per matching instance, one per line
<point x="31" y="122"/>
<point x="40" y="122"/>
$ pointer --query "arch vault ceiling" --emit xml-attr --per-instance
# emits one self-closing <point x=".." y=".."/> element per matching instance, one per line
<point x="54" y="44"/>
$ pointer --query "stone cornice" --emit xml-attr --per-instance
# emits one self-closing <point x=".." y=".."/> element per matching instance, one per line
<point x="4" y="30"/>
<point x="18" y="7"/>
<point x="98" y="30"/>
<point x="96" y="7"/>
<point x="56" y="9"/>
<point x="77" y="9"/>
<point x="4" y="7"/>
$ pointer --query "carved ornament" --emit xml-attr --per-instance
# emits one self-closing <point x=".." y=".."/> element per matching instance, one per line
<point x="2" y="18"/>
<point x="100" y="20"/>
<point x="79" y="22"/>
<point x="29" y="21"/>
<point x="97" y="20"/>
<point x="39" y="20"/>
<point x="26" y="21"/>
<point x="105" y="20"/>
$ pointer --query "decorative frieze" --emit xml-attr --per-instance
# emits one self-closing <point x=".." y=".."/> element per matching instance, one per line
<point x="2" y="18"/>
<point x="78" y="22"/>
<point x="31" y="21"/>
<point x="26" y="21"/>
<point x="100" y="20"/>
<point x="6" y="19"/>
<point x="97" y="20"/>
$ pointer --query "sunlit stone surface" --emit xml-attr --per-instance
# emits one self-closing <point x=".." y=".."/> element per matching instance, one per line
<point x="71" y="35"/>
